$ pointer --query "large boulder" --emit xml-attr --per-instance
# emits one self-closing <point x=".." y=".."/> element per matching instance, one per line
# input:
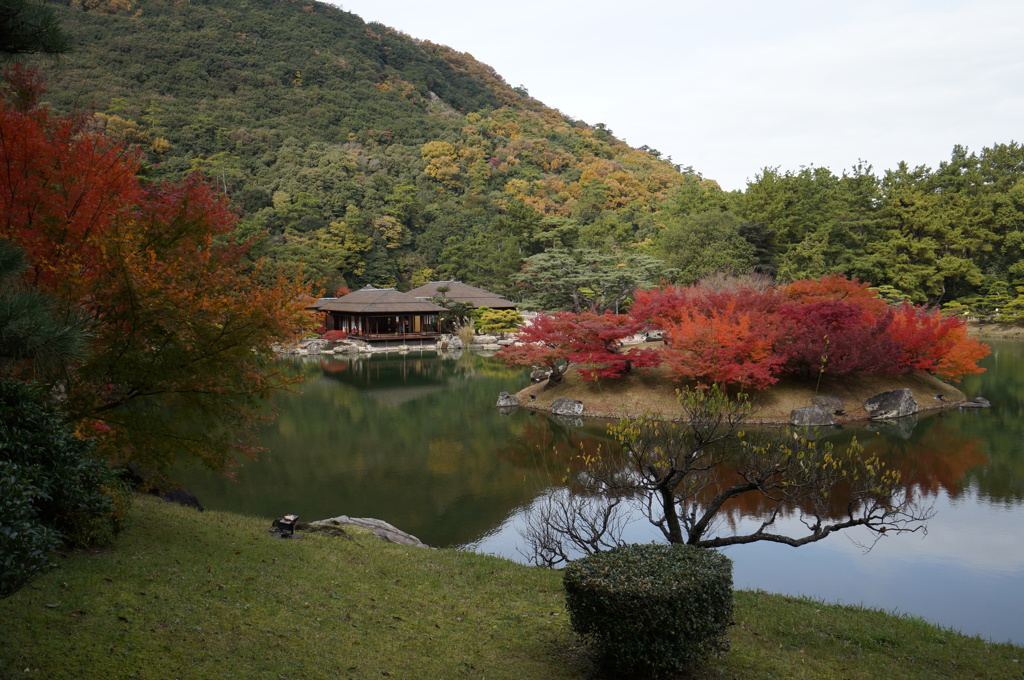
<point x="451" y="342"/>
<point x="811" y="416"/>
<point x="567" y="407"/>
<point x="829" y="403"/>
<point x="506" y="400"/>
<point x="894" y="404"/>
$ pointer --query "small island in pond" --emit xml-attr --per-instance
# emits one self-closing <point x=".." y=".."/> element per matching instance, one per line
<point x="653" y="392"/>
<point x="810" y="352"/>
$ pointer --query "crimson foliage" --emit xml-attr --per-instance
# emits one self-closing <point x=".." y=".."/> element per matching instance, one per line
<point x="748" y="337"/>
<point x="593" y="341"/>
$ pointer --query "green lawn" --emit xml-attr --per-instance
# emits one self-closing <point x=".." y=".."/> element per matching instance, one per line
<point x="212" y="595"/>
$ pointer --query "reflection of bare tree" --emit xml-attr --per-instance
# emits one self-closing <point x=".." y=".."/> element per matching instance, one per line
<point x="562" y="522"/>
<point x="688" y="478"/>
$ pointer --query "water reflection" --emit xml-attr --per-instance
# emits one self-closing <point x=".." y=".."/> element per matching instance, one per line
<point x="416" y="440"/>
<point x="412" y="439"/>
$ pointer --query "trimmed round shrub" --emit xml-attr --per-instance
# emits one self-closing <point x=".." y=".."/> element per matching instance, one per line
<point x="651" y="610"/>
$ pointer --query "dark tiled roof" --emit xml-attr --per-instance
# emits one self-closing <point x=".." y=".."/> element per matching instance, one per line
<point x="378" y="301"/>
<point x="461" y="292"/>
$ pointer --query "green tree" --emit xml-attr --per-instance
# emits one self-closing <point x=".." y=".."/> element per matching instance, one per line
<point x="27" y="27"/>
<point x="583" y="279"/>
<point x="927" y="237"/>
<point x="55" y="489"/>
<point x="497" y="320"/>
<point x="37" y="336"/>
<point x="706" y="243"/>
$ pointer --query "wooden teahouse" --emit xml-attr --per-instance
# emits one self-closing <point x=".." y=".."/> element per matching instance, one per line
<point x="381" y="314"/>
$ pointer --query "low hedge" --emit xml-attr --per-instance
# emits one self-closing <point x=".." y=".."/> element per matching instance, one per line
<point x="651" y="610"/>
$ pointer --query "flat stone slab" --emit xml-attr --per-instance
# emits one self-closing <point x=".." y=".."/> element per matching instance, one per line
<point x="377" y="527"/>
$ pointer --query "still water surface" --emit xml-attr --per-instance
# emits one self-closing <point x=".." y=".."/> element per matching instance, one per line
<point x="415" y="440"/>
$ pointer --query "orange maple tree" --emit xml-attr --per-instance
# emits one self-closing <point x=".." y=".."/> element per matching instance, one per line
<point x="726" y="337"/>
<point x="931" y="342"/>
<point x="182" y="333"/>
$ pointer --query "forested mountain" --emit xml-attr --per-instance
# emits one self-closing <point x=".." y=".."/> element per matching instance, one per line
<point x="365" y="156"/>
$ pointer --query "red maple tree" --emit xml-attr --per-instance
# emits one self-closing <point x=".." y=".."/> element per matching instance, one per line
<point x="592" y="341"/>
<point x="183" y="335"/>
<point x="936" y="344"/>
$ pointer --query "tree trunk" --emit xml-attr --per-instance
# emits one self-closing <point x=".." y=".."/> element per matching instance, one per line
<point x="673" y="531"/>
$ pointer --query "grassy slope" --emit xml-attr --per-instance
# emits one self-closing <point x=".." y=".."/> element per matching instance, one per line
<point x="211" y="595"/>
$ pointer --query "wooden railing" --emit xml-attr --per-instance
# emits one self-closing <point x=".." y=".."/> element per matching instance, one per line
<point x="422" y="335"/>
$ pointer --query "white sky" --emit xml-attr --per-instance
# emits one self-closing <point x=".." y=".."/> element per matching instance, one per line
<point x="733" y="86"/>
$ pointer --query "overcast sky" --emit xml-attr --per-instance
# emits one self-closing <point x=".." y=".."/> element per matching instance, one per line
<point x="733" y="86"/>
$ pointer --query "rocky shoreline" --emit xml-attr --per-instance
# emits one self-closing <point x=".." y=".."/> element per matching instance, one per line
<point x="445" y="343"/>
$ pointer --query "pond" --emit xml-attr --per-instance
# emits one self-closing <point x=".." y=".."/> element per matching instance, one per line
<point x="415" y="439"/>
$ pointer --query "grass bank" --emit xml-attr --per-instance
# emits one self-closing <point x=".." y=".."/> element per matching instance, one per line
<point x="211" y="595"/>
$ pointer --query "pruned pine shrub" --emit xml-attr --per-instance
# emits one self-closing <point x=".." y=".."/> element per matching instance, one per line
<point x="651" y="610"/>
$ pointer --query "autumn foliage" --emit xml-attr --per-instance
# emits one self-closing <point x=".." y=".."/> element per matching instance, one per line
<point x="749" y="336"/>
<point x="182" y="334"/>
<point x="722" y="337"/>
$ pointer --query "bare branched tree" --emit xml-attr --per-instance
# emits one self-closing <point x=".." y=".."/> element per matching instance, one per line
<point x="687" y="477"/>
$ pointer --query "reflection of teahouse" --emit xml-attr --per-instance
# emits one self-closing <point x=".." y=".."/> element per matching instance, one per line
<point x="381" y="314"/>
<point x="456" y="291"/>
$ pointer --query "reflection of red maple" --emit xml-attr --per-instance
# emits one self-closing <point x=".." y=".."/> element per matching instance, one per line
<point x="939" y="461"/>
<point x="333" y="366"/>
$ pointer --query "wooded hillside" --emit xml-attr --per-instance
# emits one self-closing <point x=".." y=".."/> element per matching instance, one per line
<point x="366" y="157"/>
<point x="369" y="156"/>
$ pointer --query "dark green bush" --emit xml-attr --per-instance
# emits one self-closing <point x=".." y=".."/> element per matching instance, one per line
<point x="52" y="482"/>
<point x="651" y="610"/>
<point x="25" y="544"/>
